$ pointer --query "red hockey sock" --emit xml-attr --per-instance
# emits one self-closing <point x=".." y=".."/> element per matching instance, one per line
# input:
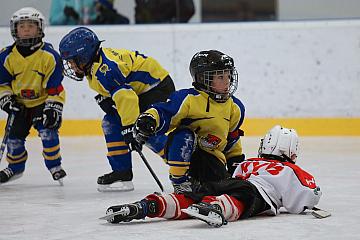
<point x="170" y="205"/>
<point x="230" y="206"/>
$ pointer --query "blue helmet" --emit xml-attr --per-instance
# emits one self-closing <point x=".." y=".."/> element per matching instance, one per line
<point x="79" y="47"/>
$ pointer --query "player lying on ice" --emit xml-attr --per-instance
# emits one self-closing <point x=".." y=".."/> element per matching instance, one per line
<point x="259" y="186"/>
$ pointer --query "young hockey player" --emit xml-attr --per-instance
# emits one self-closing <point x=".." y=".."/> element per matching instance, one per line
<point x="204" y="123"/>
<point x="259" y="186"/>
<point x="30" y="88"/>
<point x="127" y="83"/>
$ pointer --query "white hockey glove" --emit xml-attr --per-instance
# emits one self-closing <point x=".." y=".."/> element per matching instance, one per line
<point x="182" y="187"/>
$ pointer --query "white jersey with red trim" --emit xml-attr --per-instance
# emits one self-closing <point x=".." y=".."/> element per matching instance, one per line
<point x="281" y="184"/>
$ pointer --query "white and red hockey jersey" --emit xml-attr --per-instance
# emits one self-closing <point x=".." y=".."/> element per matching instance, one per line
<point x="281" y="184"/>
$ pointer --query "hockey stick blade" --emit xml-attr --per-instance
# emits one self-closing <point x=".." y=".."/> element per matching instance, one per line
<point x="111" y="215"/>
<point x="320" y="213"/>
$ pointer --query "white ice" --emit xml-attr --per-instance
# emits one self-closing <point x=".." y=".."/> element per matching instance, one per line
<point x="35" y="207"/>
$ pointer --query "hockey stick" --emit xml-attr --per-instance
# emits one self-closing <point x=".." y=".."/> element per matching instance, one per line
<point x="320" y="213"/>
<point x="150" y="169"/>
<point x="8" y="126"/>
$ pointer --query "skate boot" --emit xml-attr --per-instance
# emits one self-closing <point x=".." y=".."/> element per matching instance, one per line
<point x="116" y="181"/>
<point x="131" y="211"/>
<point x="58" y="174"/>
<point x="7" y="175"/>
<point x="206" y="212"/>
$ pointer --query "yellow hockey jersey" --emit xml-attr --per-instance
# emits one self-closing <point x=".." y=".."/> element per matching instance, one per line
<point x="124" y="75"/>
<point x="217" y="125"/>
<point x="33" y="79"/>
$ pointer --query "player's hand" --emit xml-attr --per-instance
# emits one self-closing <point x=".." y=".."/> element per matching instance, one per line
<point x="129" y="138"/>
<point x="52" y="115"/>
<point x="106" y="104"/>
<point x="145" y="127"/>
<point x="9" y="104"/>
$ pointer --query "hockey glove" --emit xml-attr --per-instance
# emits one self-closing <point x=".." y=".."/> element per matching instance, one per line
<point x="127" y="132"/>
<point x="52" y="115"/>
<point x="106" y="104"/>
<point x="182" y="188"/>
<point x="233" y="162"/>
<point x="9" y="104"/>
<point x="145" y="127"/>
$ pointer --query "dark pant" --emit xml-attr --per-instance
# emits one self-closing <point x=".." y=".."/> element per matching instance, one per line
<point x="158" y="94"/>
<point x="16" y="152"/>
<point x="242" y="190"/>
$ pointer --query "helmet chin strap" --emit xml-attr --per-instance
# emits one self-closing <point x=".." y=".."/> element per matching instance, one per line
<point x="287" y="159"/>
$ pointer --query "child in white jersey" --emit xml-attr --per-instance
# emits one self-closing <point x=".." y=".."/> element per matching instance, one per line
<point x="259" y="186"/>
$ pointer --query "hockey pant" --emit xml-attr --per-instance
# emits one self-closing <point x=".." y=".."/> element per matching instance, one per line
<point x="16" y="152"/>
<point x="119" y="154"/>
<point x="170" y="205"/>
<point x="186" y="160"/>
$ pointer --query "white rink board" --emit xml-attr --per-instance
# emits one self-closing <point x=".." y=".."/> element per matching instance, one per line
<point x="35" y="207"/>
<point x="286" y="69"/>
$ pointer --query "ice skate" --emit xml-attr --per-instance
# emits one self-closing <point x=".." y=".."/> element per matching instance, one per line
<point x="206" y="212"/>
<point x="131" y="211"/>
<point x="7" y="175"/>
<point x="116" y="181"/>
<point x="58" y="174"/>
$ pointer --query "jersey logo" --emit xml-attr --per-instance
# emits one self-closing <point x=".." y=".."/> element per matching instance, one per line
<point x="104" y="69"/>
<point x="273" y="167"/>
<point x="210" y="141"/>
<point x="28" y="94"/>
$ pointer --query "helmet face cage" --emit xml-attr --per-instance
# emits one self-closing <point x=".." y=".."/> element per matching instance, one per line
<point x="70" y="72"/>
<point x="27" y="15"/>
<point x="225" y="94"/>
<point x="205" y="65"/>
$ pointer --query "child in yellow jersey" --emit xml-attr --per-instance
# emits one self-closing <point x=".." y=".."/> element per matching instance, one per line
<point x="127" y="82"/>
<point x="31" y="90"/>
<point x="204" y="123"/>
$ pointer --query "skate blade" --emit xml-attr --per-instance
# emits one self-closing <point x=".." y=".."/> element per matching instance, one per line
<point x="61" y="182"/>
<point x="213" y="219"/>
<point x="16" y="176"/>
<point x="116" y="187"/>
<point x="109" y="216"/>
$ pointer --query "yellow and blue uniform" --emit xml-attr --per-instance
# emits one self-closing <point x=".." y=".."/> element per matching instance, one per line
<point x="33" y="79"/>
<point x="125" y="76"/>
<point x="216" y="126"/>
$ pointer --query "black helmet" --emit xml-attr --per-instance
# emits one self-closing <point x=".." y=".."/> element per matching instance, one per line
<point x="205" y="64"/>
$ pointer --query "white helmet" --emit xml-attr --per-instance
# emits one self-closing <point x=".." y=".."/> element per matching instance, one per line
<point x="27" y="14"/>
<point x="281" y="143"/>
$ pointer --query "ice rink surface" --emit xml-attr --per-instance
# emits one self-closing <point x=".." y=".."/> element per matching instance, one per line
<point x="35" y="207"/>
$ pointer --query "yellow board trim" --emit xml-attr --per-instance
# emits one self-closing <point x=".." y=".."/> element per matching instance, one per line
<point x="251" y="126"/>
<point x="305" y="126"/>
